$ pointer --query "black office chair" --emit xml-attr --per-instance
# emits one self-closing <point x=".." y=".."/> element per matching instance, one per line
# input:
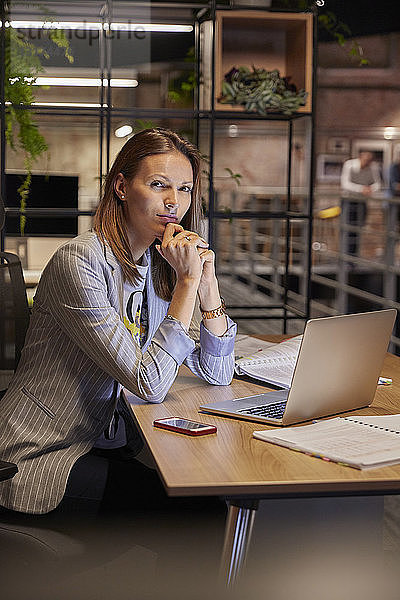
<point x="14" y="320"/>
<point x="27" y="545"/>
<point x="14" y="316"/>
<point x="2" y="213"/>
<point x="42" y="553"/>
<point x="14" y="311"/>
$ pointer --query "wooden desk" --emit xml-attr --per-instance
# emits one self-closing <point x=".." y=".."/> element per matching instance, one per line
<point x="233" y="464"/>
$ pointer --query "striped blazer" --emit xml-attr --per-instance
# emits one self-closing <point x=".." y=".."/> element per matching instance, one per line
<point x="62" y="396"/>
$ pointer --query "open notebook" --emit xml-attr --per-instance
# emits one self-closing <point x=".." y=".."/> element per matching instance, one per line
<point x="272" y="363"/>
<point x="357" y="441"/>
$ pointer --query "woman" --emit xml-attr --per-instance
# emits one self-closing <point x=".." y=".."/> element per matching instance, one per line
<point x="113" y="308"/>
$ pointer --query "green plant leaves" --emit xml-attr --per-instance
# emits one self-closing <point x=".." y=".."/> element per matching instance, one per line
<point x="23" y="64"/>
<point x="261" y="91"/>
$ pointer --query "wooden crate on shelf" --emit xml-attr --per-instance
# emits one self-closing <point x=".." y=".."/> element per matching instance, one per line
<point x="268" y="40"/>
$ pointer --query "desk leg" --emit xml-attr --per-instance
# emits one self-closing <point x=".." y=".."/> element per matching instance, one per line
<point x="238" y="529"/>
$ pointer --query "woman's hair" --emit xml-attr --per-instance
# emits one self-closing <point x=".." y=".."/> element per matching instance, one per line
<point x="110" y="222"/>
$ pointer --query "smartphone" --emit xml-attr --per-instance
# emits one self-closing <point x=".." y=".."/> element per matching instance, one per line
<point x="184" y="426"/>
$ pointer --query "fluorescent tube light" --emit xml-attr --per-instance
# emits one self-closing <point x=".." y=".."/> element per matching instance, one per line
<point x="155" y="27"/>
<point x="70" y="104"/>
<point x="66" y="104"/>
<point x="53" y="25"/>
<point x="85" y="82"/>
<point x="90" y="26"/>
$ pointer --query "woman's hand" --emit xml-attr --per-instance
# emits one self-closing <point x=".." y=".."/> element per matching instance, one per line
<point x="208" y="278"/>
<point x="194" y="265"/>
<point x="207" y="258"/>
<point x="183" y="249"/>
<point x="208" y="292"/>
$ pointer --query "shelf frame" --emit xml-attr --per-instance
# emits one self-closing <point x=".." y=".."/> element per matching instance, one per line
<point x="209" y="117"/>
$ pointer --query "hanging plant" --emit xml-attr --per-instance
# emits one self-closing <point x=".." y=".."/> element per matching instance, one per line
<point x="327" y="20"/>
<point x="261" y="91"/>
<point x="23" y="64"/>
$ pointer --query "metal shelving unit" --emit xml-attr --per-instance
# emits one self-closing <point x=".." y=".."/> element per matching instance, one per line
<point x="283" y="310"/>
<point x="204" y="119"/>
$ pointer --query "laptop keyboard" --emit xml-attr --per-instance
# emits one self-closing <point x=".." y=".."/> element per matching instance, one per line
<point x="274" y="410"/>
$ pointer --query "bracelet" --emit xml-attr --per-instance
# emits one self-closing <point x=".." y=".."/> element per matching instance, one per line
<point x="216" y="312"/>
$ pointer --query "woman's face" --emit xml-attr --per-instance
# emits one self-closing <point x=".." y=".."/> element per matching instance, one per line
<point x="159" y="193"/>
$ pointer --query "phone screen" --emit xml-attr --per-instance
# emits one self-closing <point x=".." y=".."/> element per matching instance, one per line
<point x="183" y="423"/>
<point x="185" y="426"/>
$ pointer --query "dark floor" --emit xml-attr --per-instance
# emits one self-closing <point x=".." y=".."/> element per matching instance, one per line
<point x="117" y="555"/>
<point x="311" y="549"/>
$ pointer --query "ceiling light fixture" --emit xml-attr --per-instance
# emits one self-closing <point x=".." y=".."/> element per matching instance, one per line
<point x="233" y="131"/>
<point x="84" y="82"/>
<point x="66" y="104"/>
<point x="70" y="104"/>
<point x="90" y="26"/>
<point x="123" y="131"/>
<point x="389" y="133"/>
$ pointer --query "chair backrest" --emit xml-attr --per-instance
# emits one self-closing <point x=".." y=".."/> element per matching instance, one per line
<point x="2" y="213"/>
<point x="14" y="315"/>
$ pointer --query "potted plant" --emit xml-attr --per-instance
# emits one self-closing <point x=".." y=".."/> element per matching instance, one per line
<point x="261" y="91"/>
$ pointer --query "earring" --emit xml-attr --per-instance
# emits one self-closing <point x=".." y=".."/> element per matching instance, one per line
<point x="122" y="196"/>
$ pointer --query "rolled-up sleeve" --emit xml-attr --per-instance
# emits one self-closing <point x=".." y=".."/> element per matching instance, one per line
<point x="213" y="358"/>
<point x="173" y="338"/>
<point x="218" y="345"/>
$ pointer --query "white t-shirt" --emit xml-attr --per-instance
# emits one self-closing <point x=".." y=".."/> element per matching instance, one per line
<point x="133" y="310"/>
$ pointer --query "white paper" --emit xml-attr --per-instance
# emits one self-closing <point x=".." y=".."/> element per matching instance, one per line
<point x="344" y="440"/>
<point x="277" y="374"/>
<point x="275" y="364"/>
<point x="247" y="345"/>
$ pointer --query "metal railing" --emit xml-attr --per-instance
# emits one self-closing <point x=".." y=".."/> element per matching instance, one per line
<point x="355" y="257"/>
<point x="355" y="265"/>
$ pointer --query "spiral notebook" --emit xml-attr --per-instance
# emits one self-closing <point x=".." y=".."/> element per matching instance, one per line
<point x="356" y="441"/>
<point x="273" y="363"/>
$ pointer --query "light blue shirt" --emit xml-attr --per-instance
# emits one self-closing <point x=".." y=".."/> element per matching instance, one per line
<point x="171" y="334"/>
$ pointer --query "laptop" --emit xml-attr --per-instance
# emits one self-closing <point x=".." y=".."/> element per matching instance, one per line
<point x="337" y="370"/>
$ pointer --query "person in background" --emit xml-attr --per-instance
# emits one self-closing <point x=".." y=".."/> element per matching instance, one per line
<point x="393" y="192"/>
<point x="394" y="176"/>
<point x="123" y="305"/>
<point x="360" y="179"/>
